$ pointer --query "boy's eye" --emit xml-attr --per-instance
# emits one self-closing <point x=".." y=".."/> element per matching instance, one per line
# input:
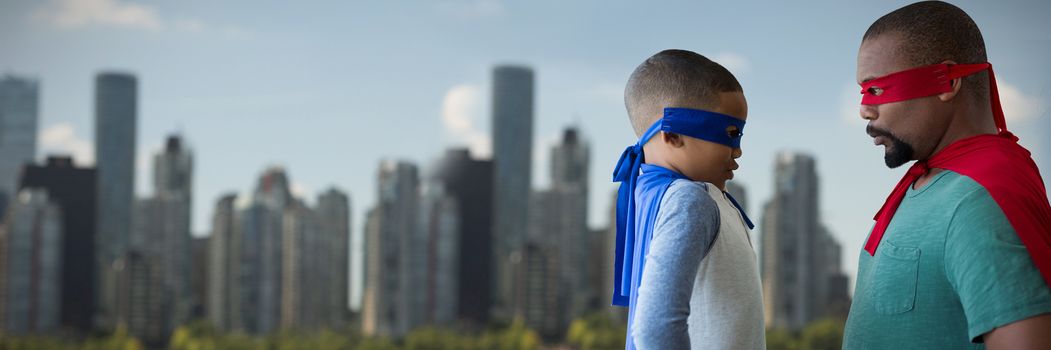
<point x="875" y="91"/>
<point x="733" y="132"/>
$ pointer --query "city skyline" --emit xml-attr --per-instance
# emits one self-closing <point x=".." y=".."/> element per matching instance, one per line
<point x="209" y="70"/>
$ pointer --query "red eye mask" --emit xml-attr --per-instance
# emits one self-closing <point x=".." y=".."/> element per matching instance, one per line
<point x="928" y="81"/>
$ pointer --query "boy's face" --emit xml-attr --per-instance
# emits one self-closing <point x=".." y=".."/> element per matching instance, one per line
<point x="707" y="161"/>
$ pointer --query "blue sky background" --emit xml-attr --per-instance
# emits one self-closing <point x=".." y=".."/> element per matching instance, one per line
<point x="328" y="88"/>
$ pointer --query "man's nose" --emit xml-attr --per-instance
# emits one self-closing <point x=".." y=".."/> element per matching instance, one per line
<point x="737" y="153"/>
<point x="869" y="112"/>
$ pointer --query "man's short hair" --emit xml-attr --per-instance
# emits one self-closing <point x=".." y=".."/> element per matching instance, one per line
<point x="673" y="78"/>
<point x="932" y="32"/>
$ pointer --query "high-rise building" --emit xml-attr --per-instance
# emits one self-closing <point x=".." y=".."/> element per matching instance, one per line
<point x="544" y="270"/>
<point x="73" y="190"/>
<point x="800" y="259"/>
<point x="388" y="239"/>
<point x="31" y="265"/>
<point x="558" y="232"/>
<point x="470" y="183"/>
<point x="260" y="230"/>
<point x="161" y="234"/>
<point x="224" y="260"/>
<point x="569" y="184"/>
<point x="333" y="215"/>
<point x="437" y="245"/>
<point x="302" y="295"/>
<point x="139" y="297"/>
<point x="115" y="132"/>
<point x="539" y="299"/>
<point x="512" y="126"/>
<point x="19" y="103"/>
<point x="199" y="265"/>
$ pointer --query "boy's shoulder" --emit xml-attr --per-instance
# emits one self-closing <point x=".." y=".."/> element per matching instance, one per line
<point x="687" y="189"/>
<point x="688" y="195"/>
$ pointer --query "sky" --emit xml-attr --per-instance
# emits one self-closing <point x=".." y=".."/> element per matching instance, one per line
<point x="327" y="89"/>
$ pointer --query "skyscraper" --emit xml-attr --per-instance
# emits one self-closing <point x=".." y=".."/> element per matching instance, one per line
<point x="569" y="183"/>
<point x="115" y="132"/>
<point x="539" y="298"/>
<point x="437" y="244"/>
<point x="333" y="214"/>
<point x="388" y="239"/>
<point x="139" y="297"/>
<point x="470" y="183"/>
<point x="31" y="264"/>
<point x="199" y="265"/>
<point x="19" y="102"/>
<point x="302" y="294"/>
<point x="558" y="232"/>
<point x="73" y="189"/>
<point x="544" y="270"/>
<point x="800" y="259"/>
<point x="260" y="230"/>
<point x="512" y="124"/>
<point x="224" y="260"/>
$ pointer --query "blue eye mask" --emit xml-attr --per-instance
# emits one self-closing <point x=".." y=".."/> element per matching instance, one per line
<point x="704" y="125"/>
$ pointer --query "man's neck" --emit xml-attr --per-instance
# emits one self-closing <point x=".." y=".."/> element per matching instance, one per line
<point x="966" y="124"/>
<point x="963" y="126"/>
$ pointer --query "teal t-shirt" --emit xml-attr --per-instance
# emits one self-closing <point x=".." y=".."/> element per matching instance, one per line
<point x="949" y="269"/>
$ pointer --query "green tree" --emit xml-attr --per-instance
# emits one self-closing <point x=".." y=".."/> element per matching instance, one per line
<point x="595" y="332"/>
<point x="515" y="337"/>
<point x="780" y="339"/>
<point x="823" y="334"/>
<point x="118" y="340"/>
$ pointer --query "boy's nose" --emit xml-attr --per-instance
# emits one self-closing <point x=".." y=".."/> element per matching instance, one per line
<point x="737" y="153"/>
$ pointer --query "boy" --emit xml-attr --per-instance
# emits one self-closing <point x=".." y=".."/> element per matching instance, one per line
<point x="685" y="266"/>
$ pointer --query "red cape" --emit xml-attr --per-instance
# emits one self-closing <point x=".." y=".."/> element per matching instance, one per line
<point x="1006" y="170"/>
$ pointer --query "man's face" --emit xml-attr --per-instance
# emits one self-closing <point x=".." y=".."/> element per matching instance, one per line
<point x="908" y="130"/>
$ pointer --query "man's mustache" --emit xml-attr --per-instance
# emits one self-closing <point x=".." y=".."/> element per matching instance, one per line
<point x="873" y="132"/>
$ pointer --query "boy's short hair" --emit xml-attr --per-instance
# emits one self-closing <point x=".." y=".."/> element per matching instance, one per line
<point x="674" y="78"/>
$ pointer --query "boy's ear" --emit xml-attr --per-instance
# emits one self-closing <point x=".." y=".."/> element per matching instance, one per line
<point x="672" y="139"/>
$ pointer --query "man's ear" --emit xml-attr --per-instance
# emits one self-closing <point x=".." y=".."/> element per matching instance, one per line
<point x="956" y="83"/>
<point x="672" y="139"/>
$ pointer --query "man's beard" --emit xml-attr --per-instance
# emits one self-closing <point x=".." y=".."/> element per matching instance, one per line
<point x="898" y="152"/>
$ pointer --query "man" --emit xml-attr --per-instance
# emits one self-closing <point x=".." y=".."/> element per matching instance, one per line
<point x="960" y="256"/>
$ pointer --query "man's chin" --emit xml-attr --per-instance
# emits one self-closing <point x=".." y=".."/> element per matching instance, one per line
<point x="894" y="160"/>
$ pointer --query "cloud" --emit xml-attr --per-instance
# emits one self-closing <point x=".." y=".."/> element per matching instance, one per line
<point x="76" y="14"/>
<point x="301" y="191"/>
<point x="69" y="14"/>
<point x="1017" y="105"/>
<point x="60" y="138"/>
<point x="737" y="64"/>
<point x="462" y="117"/>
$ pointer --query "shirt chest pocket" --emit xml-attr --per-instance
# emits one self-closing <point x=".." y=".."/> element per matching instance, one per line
<point x="895" y="278"/>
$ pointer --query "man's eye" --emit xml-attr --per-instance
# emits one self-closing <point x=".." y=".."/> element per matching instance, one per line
<point x="875" y="91"/>
<point x="733" y="133"/>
